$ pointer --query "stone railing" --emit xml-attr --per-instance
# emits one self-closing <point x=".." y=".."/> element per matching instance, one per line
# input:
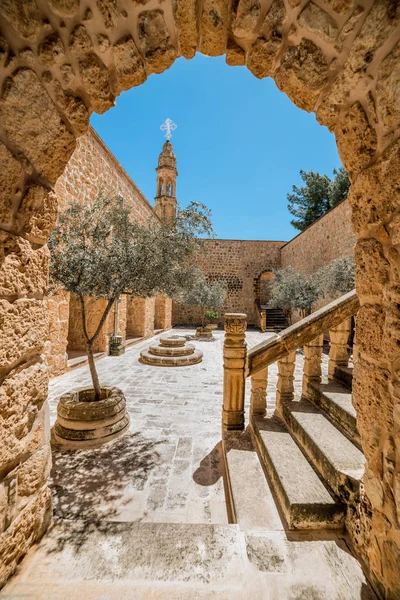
<point x="307" y="333"/>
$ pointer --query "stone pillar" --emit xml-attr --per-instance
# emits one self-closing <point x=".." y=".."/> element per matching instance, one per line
<point x="258" y="402"/>
<point x="285" y="387"/>
<point x="338" y="354"/>
<point x="312" y="363"/>
<point x="234" y="371"/>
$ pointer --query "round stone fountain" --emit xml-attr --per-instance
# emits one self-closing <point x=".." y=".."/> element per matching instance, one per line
<point x="171" y="351"/>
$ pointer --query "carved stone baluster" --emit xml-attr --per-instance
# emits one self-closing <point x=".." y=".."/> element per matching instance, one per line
<point x="338" y="354"/>
<point x="285" y="387"/>
<point x="263" y="314"/>
<point x="312" y="363"/>
<point x="258" y="402"/>
<point x="234" y="371"/>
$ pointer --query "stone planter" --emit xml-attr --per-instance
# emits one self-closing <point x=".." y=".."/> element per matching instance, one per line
<point x="212" y="326"/>
<point x="83" y="423"/>
<point x="204" y="333"/>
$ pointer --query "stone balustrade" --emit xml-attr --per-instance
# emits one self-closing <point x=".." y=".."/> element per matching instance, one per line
<point x="306" y="334"/>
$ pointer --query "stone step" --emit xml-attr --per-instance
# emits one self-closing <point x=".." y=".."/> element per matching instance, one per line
<point x="335" y="400"/>
<point x="251" y="503"/>
<point x="305" y="501"/>
<point x="336" y="458"/>
<point x="344" y="375"/>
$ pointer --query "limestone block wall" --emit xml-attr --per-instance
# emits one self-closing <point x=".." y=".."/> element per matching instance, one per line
<point x="327" y="239"/>
<point x="58" y="307"/>
<point x="237" y="263"/>
<point x="94" y="310"/>
<point x="162" y="313"/>
<point x="91" y="168"/>
<point x="140" y="316"/>
<point x="61" y="60"/>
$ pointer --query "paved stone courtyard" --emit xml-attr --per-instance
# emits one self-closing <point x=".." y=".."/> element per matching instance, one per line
<point x="145" y="517"/>
<point x="169" y="467"/>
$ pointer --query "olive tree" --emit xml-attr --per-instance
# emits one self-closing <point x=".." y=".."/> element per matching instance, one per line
<point x="208" y="296"/>
<point x="292" y="291"/>
<point x="98" y="251"/>
<point x="337" y="278"/>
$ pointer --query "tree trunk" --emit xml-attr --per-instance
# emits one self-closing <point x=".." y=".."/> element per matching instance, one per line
<point x="93" y="372"/>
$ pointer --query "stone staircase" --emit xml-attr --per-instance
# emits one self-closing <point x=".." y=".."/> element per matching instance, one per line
<point x="311" y="459"/>
<point x="308" y="451"/>
<point x="275" y="319"/>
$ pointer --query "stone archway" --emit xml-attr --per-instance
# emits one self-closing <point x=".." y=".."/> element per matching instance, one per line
<point x="63" y="59"/>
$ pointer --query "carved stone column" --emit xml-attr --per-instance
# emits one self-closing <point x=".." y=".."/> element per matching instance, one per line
<point x="285" y="387"/>
<point x="338" y="354"/>
<point x="263" y="314"/>
<point x="258" y="402"/>
<point x="234" y="371"/>
<point x="312" y="363"/>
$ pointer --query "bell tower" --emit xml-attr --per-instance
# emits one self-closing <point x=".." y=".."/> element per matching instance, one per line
<point x="165" y="200"/>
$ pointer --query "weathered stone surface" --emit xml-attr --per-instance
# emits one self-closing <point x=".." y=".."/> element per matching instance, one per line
<point x="97" y="82"/>
<point x="261" y="56"/>
<point x="25" y="530"/>
<point x="51" y="50"/>
<point x="374" y="405"/>
<point x="22" y="395"/>
<point x="303" y="73"/>
<point x="213" y="27"/>
<point x="235" y="55"/>
<point x="372" y="267"/>
<point x="246" y="18"/>
<point x="23" y="269"/>
<point x="34" y="472"/>
<point x="370" y="321"/>
<point x="33" y="124"/>
<point x="70" y="105"/>
<point x="10" y="176"/>
<point x="65" y="7"/>
<point x="341" y="6"/>
<point x="356" y="139"/>
<point x="110" y="12"/>
<point x="128" y="63"/>
<point x="185" y="13"/>
<point x="23" y="16"/>
<point x="80" y="39"/>
<point x="376" y="29"/>
<point x="387" y="86"/>
<point x="23" y="330"/>
<point x="375" y="194"/>
<point x="318" y="21"/>
<point x="155" y="40"/>
<point x="37" y="214"/>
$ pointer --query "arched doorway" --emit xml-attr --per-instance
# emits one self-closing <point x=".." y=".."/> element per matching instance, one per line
<point x="66" y="59"/>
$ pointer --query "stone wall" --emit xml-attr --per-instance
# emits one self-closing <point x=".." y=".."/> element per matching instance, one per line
<point x="61" y="60"/>
<point x="327" y="239"/>
<point x="237" y="263"/>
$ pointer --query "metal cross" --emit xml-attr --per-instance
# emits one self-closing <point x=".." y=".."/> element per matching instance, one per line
<point x="168" y="126"/>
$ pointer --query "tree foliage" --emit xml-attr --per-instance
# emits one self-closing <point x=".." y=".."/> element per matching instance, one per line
<point x="209" y="296"/>
<point x="292" y="291"/>
<point x="98" y="251"/>
<point x="337" y="278"/>
<point x="319" y="194"/>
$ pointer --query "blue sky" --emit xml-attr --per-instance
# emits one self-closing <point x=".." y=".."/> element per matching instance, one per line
<point x="240" y="143"/>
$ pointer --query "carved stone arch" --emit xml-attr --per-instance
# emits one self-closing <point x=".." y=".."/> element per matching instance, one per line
<point x="335" y="58"/>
